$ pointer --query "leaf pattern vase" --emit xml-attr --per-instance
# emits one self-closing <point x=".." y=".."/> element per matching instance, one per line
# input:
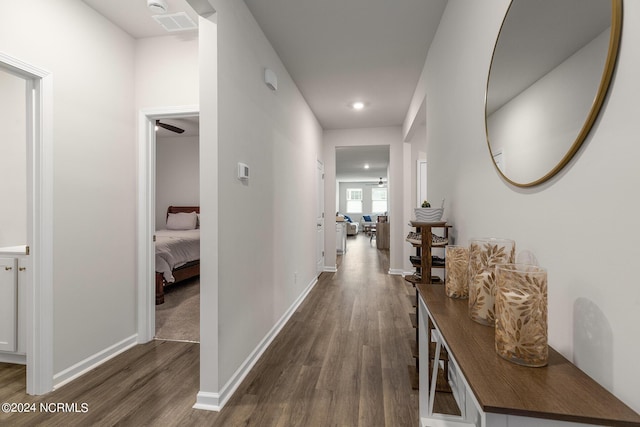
<point x="457" y="268"/>
<point x="521" y="314"/>
<point x="484" y="255"/>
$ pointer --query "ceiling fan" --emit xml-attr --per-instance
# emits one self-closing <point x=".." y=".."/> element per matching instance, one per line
<point x="169" y="127"/>
<point x="380" y="183"/>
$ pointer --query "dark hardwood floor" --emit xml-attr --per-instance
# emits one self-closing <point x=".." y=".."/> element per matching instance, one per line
<point x="341" y="360"/>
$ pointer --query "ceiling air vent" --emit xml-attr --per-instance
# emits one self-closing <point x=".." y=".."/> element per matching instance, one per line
<point x="176" y="22"/>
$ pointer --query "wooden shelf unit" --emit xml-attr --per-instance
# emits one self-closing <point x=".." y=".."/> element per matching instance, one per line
<point x="424" y="250"/>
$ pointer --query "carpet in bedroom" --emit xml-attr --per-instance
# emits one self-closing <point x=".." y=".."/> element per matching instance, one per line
<point x="179" y="317"/>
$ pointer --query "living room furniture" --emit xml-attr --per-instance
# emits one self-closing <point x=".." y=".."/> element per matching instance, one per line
<point x="352" y="228"/>
<point x="367" y="221"/>
<point x="490" y="391"/>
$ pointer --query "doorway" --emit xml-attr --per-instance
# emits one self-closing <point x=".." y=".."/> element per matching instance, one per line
<point x="13" y="159"/>
<point x="35" y="264"/>
<point x="177" y="186"/>
<point x="147" y="212"/>
<point x="13" y="217"/>
<point x="362" y="195"/>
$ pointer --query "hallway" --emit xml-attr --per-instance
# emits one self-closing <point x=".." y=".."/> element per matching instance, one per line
<point x="341" y="360"/>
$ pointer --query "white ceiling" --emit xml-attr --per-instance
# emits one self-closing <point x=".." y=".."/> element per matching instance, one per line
<point x="336" y="51"/>
<point x="350" y="163"/>
<point x="134" y="17"/>
<point x="340" y="51"/>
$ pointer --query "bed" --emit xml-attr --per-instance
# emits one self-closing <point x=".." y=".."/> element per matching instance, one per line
<point x="177" y="248"/>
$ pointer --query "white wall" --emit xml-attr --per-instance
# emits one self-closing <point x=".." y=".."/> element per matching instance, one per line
<point x="416" y="151"/>
<point x="266" y="229"/>
<point x="91" y="62"/>
<point x="177" y="175"/>
<point x="167" y="71"/>
<point x="209" y="210"/>
<point x="582" y="225"/>
<point x="13" y="160"/>
<point x="391" y="136"/>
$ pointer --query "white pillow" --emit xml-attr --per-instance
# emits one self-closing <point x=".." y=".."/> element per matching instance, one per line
<point x="182" y="221"/>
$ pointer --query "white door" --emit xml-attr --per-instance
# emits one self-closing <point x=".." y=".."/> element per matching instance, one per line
<point x="8" y="304"/>
<point x="320" y="218"/>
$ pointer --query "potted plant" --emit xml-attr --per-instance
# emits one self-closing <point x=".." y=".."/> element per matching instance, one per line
<point x="428" y="214"/>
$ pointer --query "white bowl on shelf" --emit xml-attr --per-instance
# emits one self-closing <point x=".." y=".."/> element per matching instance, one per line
<point x="428" y="214"/>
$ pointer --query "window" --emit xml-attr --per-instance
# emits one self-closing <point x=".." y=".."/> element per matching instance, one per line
<point x="354" y="200"/>
<point x="378" y="200"/>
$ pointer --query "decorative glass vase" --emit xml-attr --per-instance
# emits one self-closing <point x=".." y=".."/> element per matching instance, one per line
<point x="457" y="268"/>
<point x="484" y="255"/>
<point x="521" y="314"/>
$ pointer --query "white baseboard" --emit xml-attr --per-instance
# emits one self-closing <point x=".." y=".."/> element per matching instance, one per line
<point x="208" y="401"/>
<point x="328" y="269"/>
<point x="84" y="366"/>
<point x="17" y="359"/>
<point x="396" y="272"/>
<point x="215" y="401"/>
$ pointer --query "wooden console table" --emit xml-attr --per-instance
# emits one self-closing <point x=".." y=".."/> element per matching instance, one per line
<point x="493" y="392"/>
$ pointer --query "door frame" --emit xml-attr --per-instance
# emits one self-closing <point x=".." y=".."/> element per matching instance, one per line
<point x="39" y="289"/>
<point x="146" y="212"/>
<point x="320" y="220"/>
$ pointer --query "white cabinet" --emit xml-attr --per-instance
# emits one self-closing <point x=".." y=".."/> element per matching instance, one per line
<point x="14" y="279"/>
<point x="8" y="304"/>
<point x="341" y="237"/>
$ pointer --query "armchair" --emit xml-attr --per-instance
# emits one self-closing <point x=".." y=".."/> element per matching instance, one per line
<point x="367" y="221"/>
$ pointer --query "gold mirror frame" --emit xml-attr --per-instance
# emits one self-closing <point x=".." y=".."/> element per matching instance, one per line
<point x="612" y="54"/>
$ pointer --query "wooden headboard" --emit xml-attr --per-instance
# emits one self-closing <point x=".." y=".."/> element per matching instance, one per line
<point x="186" y="209"/>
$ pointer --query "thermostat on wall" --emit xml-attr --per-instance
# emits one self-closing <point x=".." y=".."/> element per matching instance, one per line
<point x="243" y="171"/>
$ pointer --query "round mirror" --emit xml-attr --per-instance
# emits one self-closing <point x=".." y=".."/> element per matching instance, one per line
<point x="550" y="71"/>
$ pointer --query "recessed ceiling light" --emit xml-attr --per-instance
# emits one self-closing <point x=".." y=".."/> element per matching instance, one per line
<point x="358" y="105"/>
<point x="366" y="166"/>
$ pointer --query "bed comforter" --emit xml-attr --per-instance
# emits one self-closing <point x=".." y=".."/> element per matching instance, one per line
<point x="175" y="248"/>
